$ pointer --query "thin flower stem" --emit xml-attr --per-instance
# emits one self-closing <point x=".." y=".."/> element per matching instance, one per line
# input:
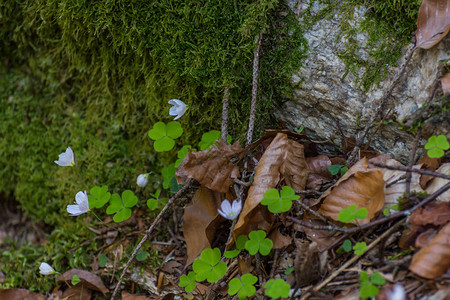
<point x="96" y="216"/>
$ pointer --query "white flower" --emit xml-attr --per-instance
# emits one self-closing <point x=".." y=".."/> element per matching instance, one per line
<point x="142" y="180"/>
<point x="230" y="212"/>
<point x="46" y="269"/>
<point x="82" y="205"/>
<point x="178" y="109"/>
<point x="66" y="159"/>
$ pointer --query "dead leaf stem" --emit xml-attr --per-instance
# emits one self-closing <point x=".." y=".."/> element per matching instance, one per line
<point x="190" y="184"/>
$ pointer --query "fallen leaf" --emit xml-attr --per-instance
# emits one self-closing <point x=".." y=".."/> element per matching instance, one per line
<point x="436" y="214"/>
<point x="87" y="278"/>
<point x="445" y="82"/>
<point x="438" y="182"/>
<point x="430" y="164"/>
<point x="434" y="259"/>
<point x="212" y="168"/>
<point x="79" y="291"/>
<point x="20" y="294"/>
<point x="323" y="238"/>
<point x="200" y="221"/>
<point x="425" y="237"/>
<point x="433" y="23"/>
<point x="360" y="186"/>
<point x="267" y="176"/>
<point x="318" y="171"/>
<point x="306" y="263"/>
<point x="127" y="296"/>
<point x="279" y="240"/>
<point x="294" y="167"/>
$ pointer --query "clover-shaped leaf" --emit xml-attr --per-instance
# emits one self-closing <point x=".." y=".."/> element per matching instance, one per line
<point x="377" y="278"/>
<point x="142" y="255"/>
<point x="152" y="203"/>
<point x="352" y="213"/>
<point x="231" y="253"/>
<point x="99" y="196"/>
<point x="164" y="135"/>
<point x="258" y="242"/>
<point x="75" y="279"/>
<point x="181" y="154"/>
<point x="244" y="285"/>
<point x="279" y="203"/>
<point x="168" y="173"/>
<point x="208" y="266"/>
<point x="368" y="288"/>
<point x="121" y="206"/>
<point x="436" y="146"/>
<point x="360" y="248"/>
<point x="210" y="138"/>
<point x="277" y="288"/>
<point x="240" y="242"/>
<point x="334" y="169"/>
<point x="188" y="282"/>
<point x="102" y="259"/>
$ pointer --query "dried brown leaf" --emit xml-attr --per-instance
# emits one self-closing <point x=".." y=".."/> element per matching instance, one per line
<point x="430" y="164"/>
<point x="212" y="168"/>
<point x="438" y="182"/>
<point x="200" y="221"/>
<point x="294" y="168"/>
<point x="267" y="176"/>
<point x="279" y="240"/>
<point x="306" y="263"/>
<point x="434" y="259"/>
<point x="127" y="296"/>
<point x="88" y="279"/>
<point x="20" y="294"/>
<point x="433" y="23"/>
<point x="323" y="238"/>
<point x="77" y="292"/>
<point x="436" y="214"/>
<point x="360" y="187"/>
<point x="445" y="82"/>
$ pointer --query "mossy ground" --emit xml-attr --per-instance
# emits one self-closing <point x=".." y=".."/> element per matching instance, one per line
<point x="96" y="75"/>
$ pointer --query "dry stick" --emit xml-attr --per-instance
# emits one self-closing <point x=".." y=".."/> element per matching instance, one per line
<point x="251" y="122"/>
<point x="352" y="158"/>
<point x="414" y="170"/>
<point x="402" y="213"/>
<point x="412" y="154"/>
<point x="169" y="203"/>
<point x="225" y="107"/>
<point x="355" y="258"/>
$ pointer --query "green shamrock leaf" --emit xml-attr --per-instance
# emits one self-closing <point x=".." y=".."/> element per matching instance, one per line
<point x="352" y="213"/>
<point x="258" y="242"/>
<point x="288" y="270"/>
<point x="75" y="279"/>
<point x="208" y="266"/>
<point x="277" y="288"/>
<point x="99" y="196"/>
<point x="368" y="291"/>
<point x="279" y="203"/>
<point x="377" y="278"/>
<point x="168" y="173"/>
<point x="188" y="282"/>
<point x="240" y="242"/>
<point x="182" y="153"/>
<point x="164" y="135"/>
<point x="368" y="288"/>
<point x="152" y="203"/>
<point x="334" y="169"/>
<point x="102" y="259"/>
<point x="244" y="286"/>
<point x="231" y="253"/>
<point x="210" y="138"/>
<point x="142" y="255"/>
<point x="360" y="248"/>
<point x="121" y="207"/>
<point x="436" y="146"/>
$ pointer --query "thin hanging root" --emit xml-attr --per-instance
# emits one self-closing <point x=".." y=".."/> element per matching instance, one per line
<point x="191" y="183"/>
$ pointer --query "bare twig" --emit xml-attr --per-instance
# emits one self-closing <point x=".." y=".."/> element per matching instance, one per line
<point x="414" y="170"/>
<point x="184" y="189"/>
<point x="225" y="107"/>
<point x="352" y="158"/>
<point x="356" y="257"/>
<point x="412" y="154"/>
<point x="251" y="122"/>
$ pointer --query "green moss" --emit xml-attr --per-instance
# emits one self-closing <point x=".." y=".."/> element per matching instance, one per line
<point x="389" y="26"/>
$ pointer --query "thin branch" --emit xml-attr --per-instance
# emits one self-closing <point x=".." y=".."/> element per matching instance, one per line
<point x="412" y="154"/>
<point x="251" y="122"/>
<point x="225" y="107"/>
<point x="414" y="170"/>
<point x="360" y="141"/>
<point x="191" y="183"/>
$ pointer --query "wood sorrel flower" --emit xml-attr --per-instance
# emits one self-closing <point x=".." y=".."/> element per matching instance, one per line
<point x="81" y="206"/>
<point x="46" y="269"/>
<point x="142" y="180"/>
<point x="178" y="109"/>
<point x="229" y="211"/>
<point x="66" y="159"/>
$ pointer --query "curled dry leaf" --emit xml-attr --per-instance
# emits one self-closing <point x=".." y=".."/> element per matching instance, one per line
<point x="438" y="182"/>
<point x="434" y="259"/>
<point x="267" y="176"/>
<point x="433" y="23"/>
<point x="396" y="182"/>
<point x="279" y="240"/>
<point x="319" y="173"/>
<point x="294" y="168"/>
<point x="430" y="164"/>
<point x="87" y="278"/>
<point x="359" y="186"/>
<point x="200" y="221"/>
<point x="323" y="238"/>
<point x="20" y="294"/>
<point x="212" y="168"/>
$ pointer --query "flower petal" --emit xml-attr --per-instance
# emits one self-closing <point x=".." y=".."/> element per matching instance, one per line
<point x="74" y="210"/>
